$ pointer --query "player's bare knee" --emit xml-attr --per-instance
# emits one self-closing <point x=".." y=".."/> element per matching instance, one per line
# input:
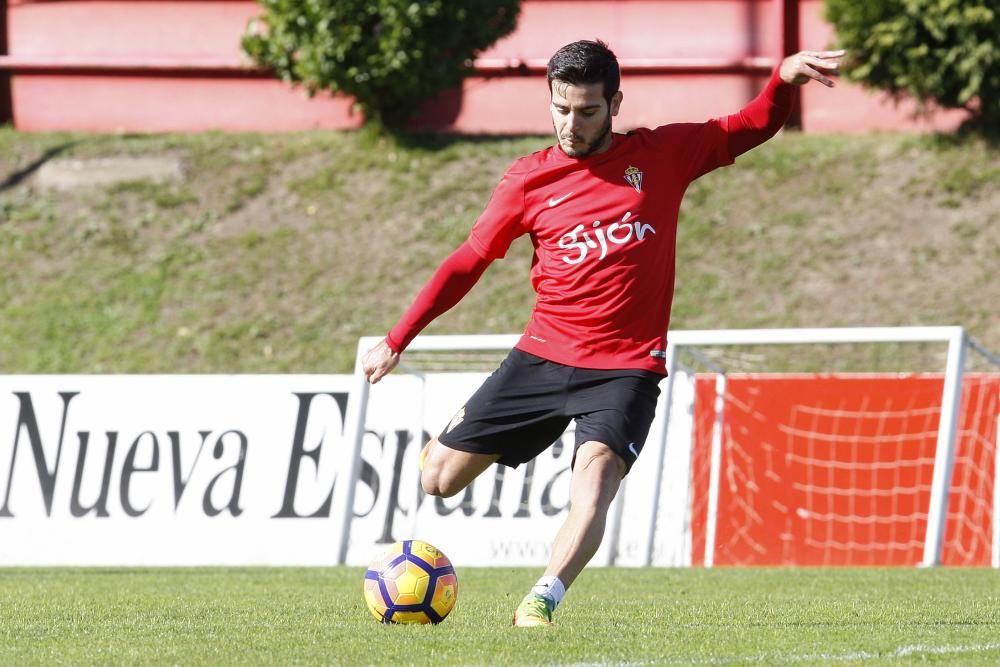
<point x="436" y="483"/>
<point x="429" y="481"/>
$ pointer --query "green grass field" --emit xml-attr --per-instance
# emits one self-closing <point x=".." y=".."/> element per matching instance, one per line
<point x="293" y="616"/>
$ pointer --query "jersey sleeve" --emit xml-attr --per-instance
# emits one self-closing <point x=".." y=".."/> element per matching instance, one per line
<point x="761" y="119"/>
<point x="700" y="148"/>
<point x="696" y="148"/>
<point x="503" y="219"/>
<point x="453" y="279"/>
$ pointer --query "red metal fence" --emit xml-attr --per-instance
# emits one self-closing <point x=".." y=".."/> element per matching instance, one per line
<point x="176" y="65"/>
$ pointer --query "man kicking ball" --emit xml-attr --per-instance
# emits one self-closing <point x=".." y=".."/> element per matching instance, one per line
<point x="601" y="210"/>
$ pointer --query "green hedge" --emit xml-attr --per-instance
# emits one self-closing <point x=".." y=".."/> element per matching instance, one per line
<point x="939" y="51"/>
<point x="390" y="55"/>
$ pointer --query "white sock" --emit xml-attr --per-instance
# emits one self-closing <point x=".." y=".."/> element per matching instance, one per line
<point x="551" y="588"/>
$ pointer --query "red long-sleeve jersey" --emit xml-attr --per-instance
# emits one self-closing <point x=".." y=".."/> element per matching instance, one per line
<point x="604" y="230"/>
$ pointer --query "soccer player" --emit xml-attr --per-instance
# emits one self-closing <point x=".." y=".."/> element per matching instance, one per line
<point x="601" y="211"/>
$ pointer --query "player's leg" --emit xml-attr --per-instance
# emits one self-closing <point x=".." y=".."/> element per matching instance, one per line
<point x="594" y="482"/>
<point x="446" y="471"/>
<point x="597" y="474"/>
<point x="514" y="415"/>
<point x="613" y="413"/>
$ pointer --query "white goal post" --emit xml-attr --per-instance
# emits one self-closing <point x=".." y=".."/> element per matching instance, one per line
<point x="953" y="337"/>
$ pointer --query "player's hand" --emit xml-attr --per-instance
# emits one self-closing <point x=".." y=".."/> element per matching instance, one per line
<point x="379" y="361"/>
<point x="805" y="65"/>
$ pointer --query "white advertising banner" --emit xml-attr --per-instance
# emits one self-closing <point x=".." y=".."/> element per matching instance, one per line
<point x="240" y="470"/>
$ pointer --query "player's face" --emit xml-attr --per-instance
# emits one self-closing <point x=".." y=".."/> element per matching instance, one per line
<point x="581" y="117"/>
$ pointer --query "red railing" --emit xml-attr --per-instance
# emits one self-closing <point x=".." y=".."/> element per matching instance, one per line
<point x="681" y="60"/>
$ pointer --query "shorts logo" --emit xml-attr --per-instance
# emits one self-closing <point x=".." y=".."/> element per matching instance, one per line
<point x="631" y="448"/>
<point x="456" y="420"/>
<point x="634" y="177"/>
<point x="659" y="354"/>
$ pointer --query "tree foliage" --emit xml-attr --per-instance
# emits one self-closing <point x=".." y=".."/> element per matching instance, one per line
<point x="939" y="51"/>
<point x="390" y="55"/>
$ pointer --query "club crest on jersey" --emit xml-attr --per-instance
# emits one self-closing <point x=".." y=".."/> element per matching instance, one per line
<point x="634" y="177"/>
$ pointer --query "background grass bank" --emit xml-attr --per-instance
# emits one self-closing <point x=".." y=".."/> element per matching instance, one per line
<point x="273" y="253"/>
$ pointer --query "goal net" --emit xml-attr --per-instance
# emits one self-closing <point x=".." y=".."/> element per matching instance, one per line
<point x="770" y="447"/>
<point x="859" y="447"/>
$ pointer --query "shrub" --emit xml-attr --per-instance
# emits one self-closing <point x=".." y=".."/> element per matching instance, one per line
<point x="390" y="55"/>
<point x="943" y="51"/>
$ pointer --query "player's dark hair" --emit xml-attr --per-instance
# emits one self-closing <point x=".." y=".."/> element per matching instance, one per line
<point x="586" y="62"/>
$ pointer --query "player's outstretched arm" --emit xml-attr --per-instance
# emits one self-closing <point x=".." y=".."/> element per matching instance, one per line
<point x="806" y="66"/>
<point x="453" y="279"/>
<point x="761" y="119"/>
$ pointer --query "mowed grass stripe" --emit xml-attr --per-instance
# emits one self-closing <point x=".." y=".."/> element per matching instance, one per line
<point x="251" y="616"/>
<point x="824" y="658"/>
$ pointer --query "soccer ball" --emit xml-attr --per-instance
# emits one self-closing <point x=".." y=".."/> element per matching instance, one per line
<point x="411" y="582"/>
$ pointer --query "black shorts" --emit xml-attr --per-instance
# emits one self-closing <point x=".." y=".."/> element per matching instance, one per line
<point x="527" y="403"/>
